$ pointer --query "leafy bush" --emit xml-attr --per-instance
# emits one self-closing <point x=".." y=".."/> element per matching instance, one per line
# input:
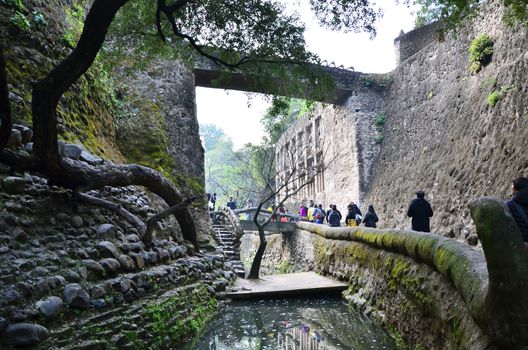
<point x="39" y="19"/>
<point x="378" y="138"/>
<point x="480" y="52"/>
<point x="493" y="98"/>
<point x="380" y="121"/>
<point x="18" y="5"/>
<point x="20" y="20"/>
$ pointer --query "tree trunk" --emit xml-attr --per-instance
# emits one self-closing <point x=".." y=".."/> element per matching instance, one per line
<point x="76" y="175"/>
<point x="6" y="123"/>
<point x="257" y="260"/>
<point x="48" y="91"/>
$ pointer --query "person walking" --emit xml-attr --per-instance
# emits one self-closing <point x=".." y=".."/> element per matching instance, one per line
<point x="518" y="206"/>
<point x="334" y="217"/>
<point x="371" y="218"/>
<point x="420" y="211"/>
<point x="213" y="200"/>
<point x="231" y="204"/>
<point x="303" y="211"/>
<point x="319" y="214"/>
<point x="350" y="219"/>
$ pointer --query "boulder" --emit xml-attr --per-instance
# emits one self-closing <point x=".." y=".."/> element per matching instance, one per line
<point x="72" y="151"/>
<point x="107" y="249"/>
<point x="94" y="266"/>
<point x="90" y="158"/>
<point x="14" y="185"/>
<point x="107" y="231"/>
<point x="472" y="239"/>
<point x="25" y="132"/>
<point x="110" y="265"/>
<point x="77" y="221"/>
<point x="15" y="139"/>
<point x="76" y="297"/>
<point x="126" y="262"/>
<point x="24" y="334"/>
<point x="51" y="307"/>
<point x="138" y="260"/>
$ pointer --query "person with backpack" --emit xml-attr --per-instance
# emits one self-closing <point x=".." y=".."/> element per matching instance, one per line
<point x="319" y="214"/>
<point x="352" y="216"/>
<point x="518" y="206"/>
<point x="371" y="218"/>
<point x="420" y="211"/>
<point x="334" y="217"/>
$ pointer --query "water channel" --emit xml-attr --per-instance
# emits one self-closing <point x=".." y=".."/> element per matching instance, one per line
<point x="301" y="324"/>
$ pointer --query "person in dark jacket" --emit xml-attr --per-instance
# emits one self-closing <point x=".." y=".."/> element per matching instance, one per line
<point x="371" y="217"/>
<point x="354" y="213"/>
<point x="334" y="217"/>
<point x="518" y="205"/>
<point x="420" y="211"/>
<point x="231" y="204"/>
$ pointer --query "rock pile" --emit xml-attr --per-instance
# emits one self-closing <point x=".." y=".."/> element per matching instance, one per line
<point x="62" y="259"/>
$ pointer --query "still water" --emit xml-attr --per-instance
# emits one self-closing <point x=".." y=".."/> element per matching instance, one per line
<point x="303" y="324"/>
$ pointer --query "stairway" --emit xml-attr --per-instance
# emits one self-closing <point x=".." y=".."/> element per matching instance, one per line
<point x="226" y="238"/>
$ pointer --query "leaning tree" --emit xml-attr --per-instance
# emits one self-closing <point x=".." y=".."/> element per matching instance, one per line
<point x="256" y="37"/>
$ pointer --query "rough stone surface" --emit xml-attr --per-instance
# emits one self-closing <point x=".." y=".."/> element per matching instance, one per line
<point x="51" y="307"/>
<point x="107" y="249"/>
<point x="14" y="185"/>
<point x="76" y="297"/>
<point x="24" y="334"/>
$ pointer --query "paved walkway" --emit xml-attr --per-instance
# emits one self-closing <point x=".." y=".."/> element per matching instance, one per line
<point x="303" y="283"/>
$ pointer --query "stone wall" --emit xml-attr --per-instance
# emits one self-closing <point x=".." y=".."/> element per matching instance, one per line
<point x="411" y="298"/>
<point x="442" y="136"/>
<point x="342" y="141"/>
<point x="407" y="44"/>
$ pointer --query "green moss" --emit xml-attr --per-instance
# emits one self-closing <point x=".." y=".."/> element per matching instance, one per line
<point x="493" y="98"/>
<point x="167" y="322"/>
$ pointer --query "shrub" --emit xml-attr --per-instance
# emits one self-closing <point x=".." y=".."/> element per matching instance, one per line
<point x="480" y="52"/>
<point x="20" y="20"/>
<point x="493" y="98"/>
<point x="378" y="138"/>
<point x="381" y="119"/>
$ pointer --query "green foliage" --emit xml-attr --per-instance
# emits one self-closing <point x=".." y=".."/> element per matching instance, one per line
<point x="453" y="12"/>
<point x="496" y="95"/>
<point x="211" y="135"/>
<point x="75" y="17"/>
<point x="489" y="82"/>
<point x="378" y="138"/>
<point x="282" y="113"/>
<point x="20" y="21"/>
<point x="480" y="52"/>
<point x="381" y="119"/>
<point x="17" y="5"/>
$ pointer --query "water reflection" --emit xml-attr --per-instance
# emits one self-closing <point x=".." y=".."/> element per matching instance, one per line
<point x="307" y="324"/>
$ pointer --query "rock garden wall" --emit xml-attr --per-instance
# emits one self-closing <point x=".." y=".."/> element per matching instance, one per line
<point x="455" y="134"/>
<point x="413" y="299"/>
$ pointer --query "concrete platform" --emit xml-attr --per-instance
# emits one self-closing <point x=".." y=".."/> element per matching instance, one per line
<point x="281" y="286"/>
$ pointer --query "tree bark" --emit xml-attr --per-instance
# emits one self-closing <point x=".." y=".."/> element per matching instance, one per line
<point x="76" y="175"/>
<point x="47" y="92"/>
<point x="6" y="123"/>
<point x="257" y="260"/>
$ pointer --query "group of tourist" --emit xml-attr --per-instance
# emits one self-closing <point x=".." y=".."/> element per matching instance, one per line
<point x="420" y="211"/>
<point x="316" y="213"/>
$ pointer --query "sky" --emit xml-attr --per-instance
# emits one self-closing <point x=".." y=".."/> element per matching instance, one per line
<point x="240" y="117"/>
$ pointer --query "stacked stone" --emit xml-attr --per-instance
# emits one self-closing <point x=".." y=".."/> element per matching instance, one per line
<point x="62" y="258"/>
